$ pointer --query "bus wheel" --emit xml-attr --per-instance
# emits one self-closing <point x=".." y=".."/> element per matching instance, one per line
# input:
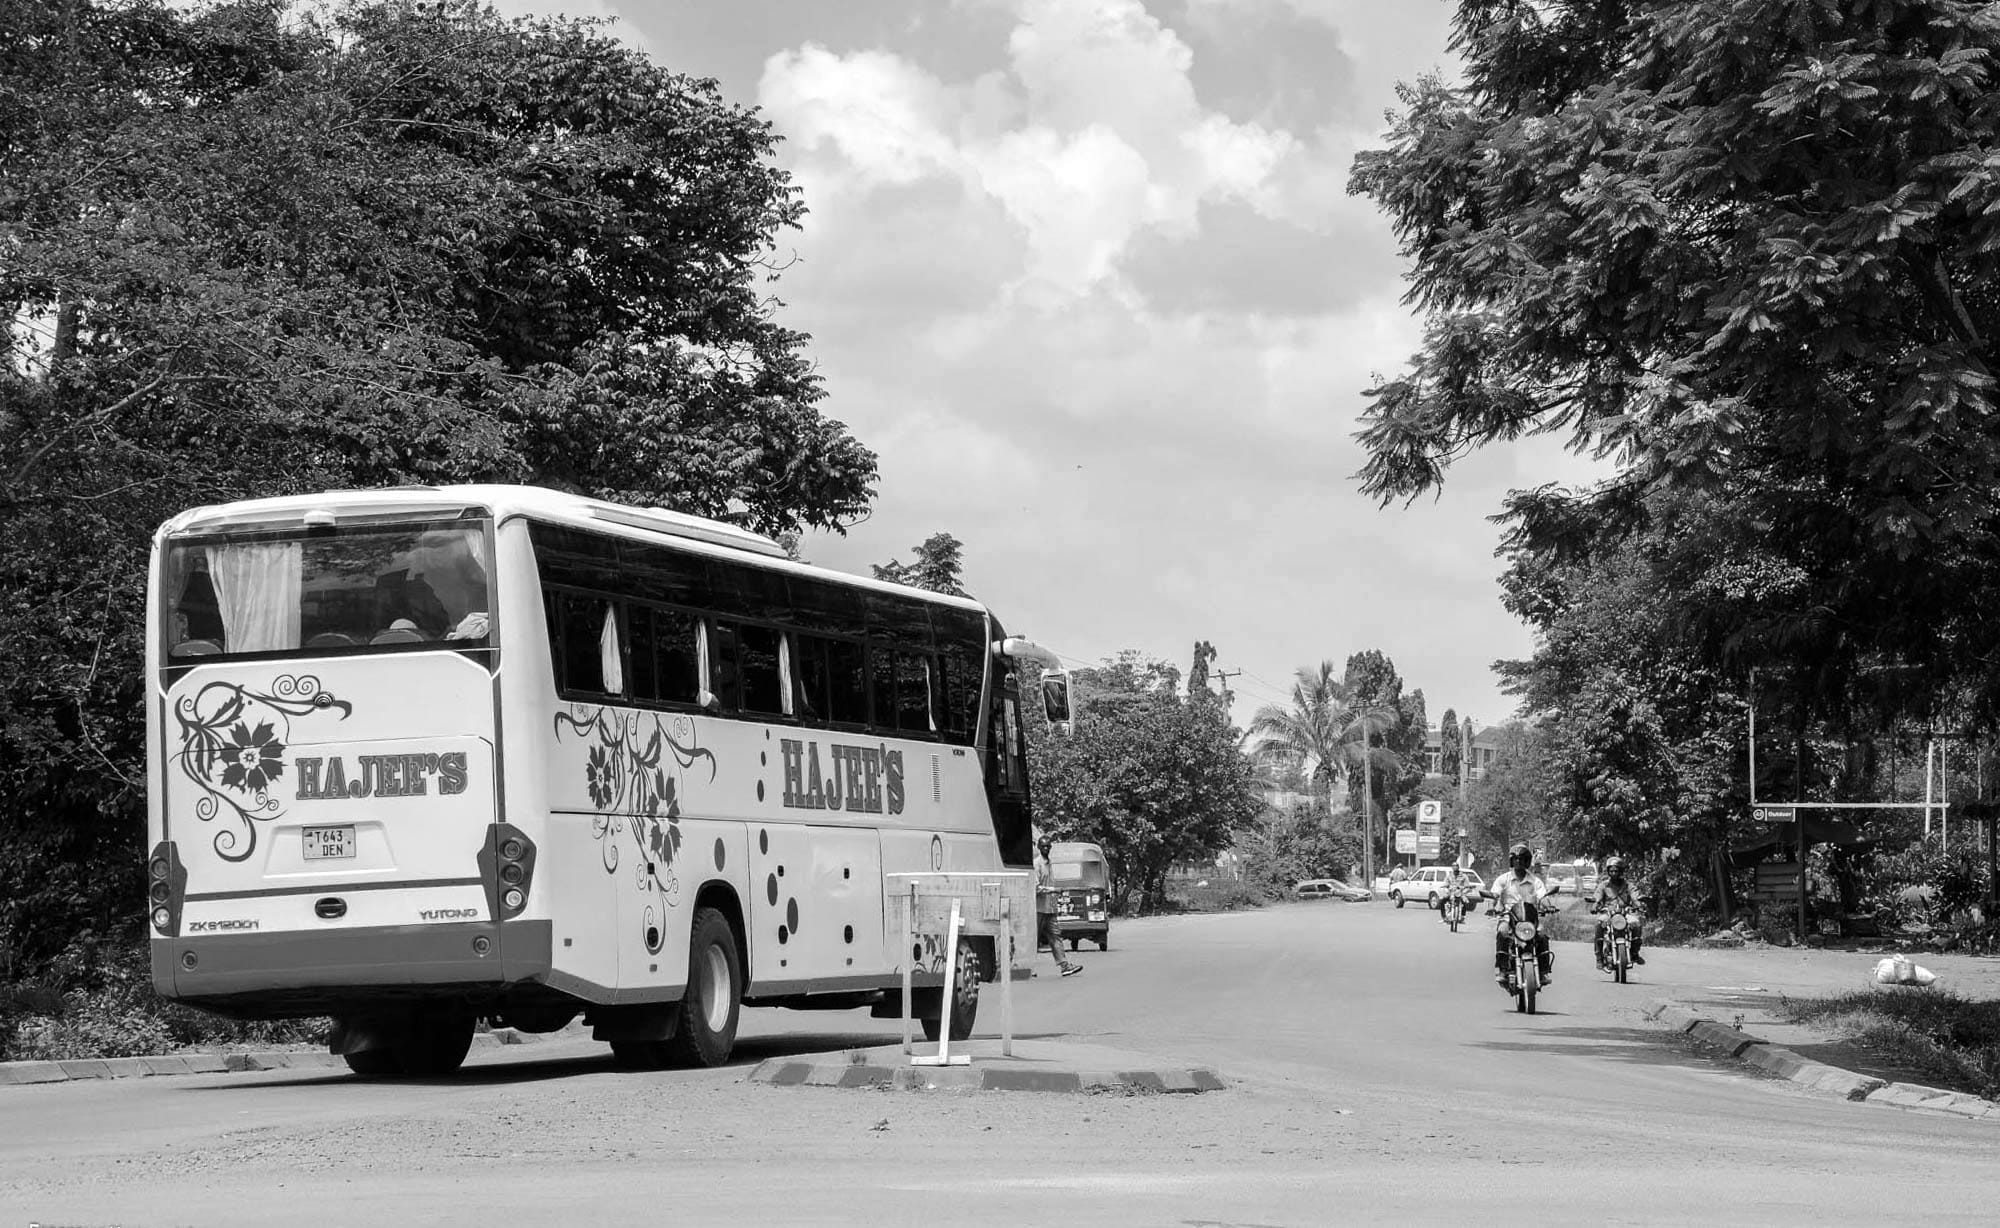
<point x="435" y="1045"/>
<point x="964" y="996"/>
<point x="705" y="1031"/>
<point x="373" y="1063"/>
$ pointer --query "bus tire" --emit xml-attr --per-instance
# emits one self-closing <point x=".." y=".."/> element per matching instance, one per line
<point x="373" y="1063"/>
<point x="705" y="1027"/>
<point x="965" y="997"/>
<point x="435" y="1045"/>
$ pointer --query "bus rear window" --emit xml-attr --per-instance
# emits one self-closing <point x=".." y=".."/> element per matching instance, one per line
<point x="386" y="588"/>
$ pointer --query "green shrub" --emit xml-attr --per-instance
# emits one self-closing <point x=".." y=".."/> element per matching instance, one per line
<point x="1220" y="895"/>
<point x="105" y="1007"/>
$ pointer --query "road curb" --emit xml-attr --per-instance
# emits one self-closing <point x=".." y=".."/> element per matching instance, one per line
<point x="860" y="1068"/>
<point x="166" y="1064"/>
<point x="1785" y="1064"/>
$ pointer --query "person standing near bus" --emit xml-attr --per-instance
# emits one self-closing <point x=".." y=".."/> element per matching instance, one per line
<point x="1045" y="910"/>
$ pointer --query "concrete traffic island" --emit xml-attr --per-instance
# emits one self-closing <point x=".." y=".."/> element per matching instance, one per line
<point x="1783" y="1063"/>
<point x="1036" y="1066"/>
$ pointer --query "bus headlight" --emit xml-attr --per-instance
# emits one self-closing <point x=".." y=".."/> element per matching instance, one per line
<point x="162" y="920"/>
<point x="513" y="900"/>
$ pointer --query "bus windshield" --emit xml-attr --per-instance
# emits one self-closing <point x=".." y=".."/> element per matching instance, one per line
<point x="380" y="586"/>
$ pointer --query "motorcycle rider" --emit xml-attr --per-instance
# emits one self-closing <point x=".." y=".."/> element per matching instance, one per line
<point x="1614" y="892"/>
<point x="1463" y="885"/>
<point x="1519" y="886"/>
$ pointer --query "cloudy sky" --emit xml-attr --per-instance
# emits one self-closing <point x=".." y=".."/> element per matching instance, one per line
<point x="1085" y="274"/>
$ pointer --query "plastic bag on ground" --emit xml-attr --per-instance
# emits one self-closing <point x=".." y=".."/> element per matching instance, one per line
<point x="1898" y="970"/>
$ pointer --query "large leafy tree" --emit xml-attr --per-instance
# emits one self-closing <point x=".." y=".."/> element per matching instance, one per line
<point x="1155" y="779"/>
<point x="1743" y="250"/>
<point x="936" y="566"/>
<point x="250" y="250"/>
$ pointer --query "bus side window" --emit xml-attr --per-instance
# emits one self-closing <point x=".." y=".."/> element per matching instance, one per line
<point x="725" y="675"/>
<point x="814" y="677"/>
<point x="588" y="653"/>
<point x="665" y="662"/>
<point x="765" y="670"/>
<point x="913" y="693"/>
<point x="847" y="701"/>
<point x="882" y="686"/>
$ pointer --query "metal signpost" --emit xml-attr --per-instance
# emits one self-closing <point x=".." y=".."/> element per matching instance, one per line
<point x="948" y="906"/>
<point x="1430" y="829"/>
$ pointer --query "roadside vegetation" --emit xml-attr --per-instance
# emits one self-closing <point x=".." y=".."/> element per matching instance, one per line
<point x="1953" y="1041"/>
<point x="98" y="1002"/>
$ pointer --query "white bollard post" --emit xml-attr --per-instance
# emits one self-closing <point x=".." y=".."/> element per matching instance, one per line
<point x="1006" y="978"/>
<point x="908" y="961"/>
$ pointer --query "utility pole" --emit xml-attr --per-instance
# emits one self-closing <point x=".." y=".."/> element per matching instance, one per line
<point x="1223" y="676"/>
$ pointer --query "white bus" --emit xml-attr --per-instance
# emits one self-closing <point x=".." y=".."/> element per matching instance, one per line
<point x="424" y="756"/>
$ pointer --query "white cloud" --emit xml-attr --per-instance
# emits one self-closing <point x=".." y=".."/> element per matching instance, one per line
<point x="1092" y="137"/>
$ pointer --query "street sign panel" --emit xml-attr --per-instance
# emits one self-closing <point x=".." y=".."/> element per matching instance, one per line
<point x="1774" y="814"/>
<point x="1406" y="840"/>
<point x="1427" y="847"/>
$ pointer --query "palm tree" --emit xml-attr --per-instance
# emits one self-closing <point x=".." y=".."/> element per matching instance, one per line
<point x="1308" y="732"/>
<point x="1319" y="731"/>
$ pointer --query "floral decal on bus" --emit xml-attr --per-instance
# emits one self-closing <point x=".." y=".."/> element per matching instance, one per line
<point x="633" y="778"/>
<point x="232" y="747"/>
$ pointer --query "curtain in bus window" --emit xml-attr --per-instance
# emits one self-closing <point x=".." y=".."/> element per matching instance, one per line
<point x="448" y="560"/>
<point x="847" y="679"/>
<point x="759" y="659"/>
<point x="608" y="654"/>
<point x="787" y="692"/>
<point x="257" y="587"/>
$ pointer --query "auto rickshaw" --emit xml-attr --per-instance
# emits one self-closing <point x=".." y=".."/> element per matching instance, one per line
<point x="1082" y="882"/>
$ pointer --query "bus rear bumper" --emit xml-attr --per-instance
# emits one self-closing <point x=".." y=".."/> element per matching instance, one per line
<point x="307" y="970"/>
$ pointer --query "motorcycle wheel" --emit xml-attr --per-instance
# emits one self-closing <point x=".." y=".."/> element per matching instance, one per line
<point x="1623" y="970"/>
<point x="1528" y="993"/>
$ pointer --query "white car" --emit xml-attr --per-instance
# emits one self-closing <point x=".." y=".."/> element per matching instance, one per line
<point x="1430" y="884"/>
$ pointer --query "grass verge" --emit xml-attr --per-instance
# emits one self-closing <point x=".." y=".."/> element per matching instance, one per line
<point x="1954" y="1041"/>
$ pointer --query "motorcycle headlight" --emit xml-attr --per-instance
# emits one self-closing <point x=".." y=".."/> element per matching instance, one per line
<point x="1618" y="921"/>
<point x="1524" y="929"/>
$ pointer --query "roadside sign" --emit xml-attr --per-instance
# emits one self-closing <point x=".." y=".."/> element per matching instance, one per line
<point x="1427" y="847"/>
<point x="1406" y="840"/>
<point x="1774" y="814"/>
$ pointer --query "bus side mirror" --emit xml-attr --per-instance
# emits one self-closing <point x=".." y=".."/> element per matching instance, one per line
<point x="1055" y="696"/>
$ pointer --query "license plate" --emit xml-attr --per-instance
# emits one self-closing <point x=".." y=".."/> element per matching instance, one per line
<point x="1097" y="916"/>
<point x="324" y="843"/>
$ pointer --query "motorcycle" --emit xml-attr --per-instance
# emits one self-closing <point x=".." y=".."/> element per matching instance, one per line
<point x="1454" y="910"/>
<point x="1522" y="923"/>
<point x="1617" y="953"/>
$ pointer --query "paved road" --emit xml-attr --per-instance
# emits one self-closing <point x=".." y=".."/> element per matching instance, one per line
<point x="1376" y="1074"/>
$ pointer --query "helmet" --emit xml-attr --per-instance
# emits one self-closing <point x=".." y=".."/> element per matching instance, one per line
<point x="1520" y="852"/>
<point x="1614" y="865"/>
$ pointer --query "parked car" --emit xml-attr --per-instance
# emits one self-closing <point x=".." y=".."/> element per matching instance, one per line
<point x="1429" y="884"/>
<point x="1330" y="889"/>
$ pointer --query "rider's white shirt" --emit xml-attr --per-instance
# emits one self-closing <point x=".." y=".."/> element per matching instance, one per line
<point x="1508" y="890"/>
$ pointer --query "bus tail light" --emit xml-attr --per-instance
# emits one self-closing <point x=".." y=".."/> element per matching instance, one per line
<point x="507" y="864"/>
<point x="166" y="884"/>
